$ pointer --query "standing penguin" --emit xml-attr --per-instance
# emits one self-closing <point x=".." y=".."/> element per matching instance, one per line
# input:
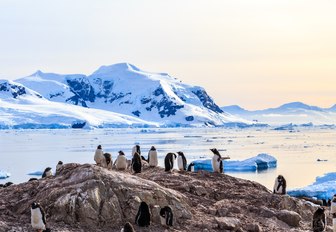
<point x="319" y="220"/>
<point x="47" y="172"/>
<point x="181" y="161"/>
<point x="169" y="161"/>
<point x="143" y="216"/>
<point x="38" y="220"/>
<point x="99" y="155"/>
<point x="107" y="162"/>
<point x="191" y="167"/>
<point x="280" y="185"/>
<point x="152" y="157"/>
<point x="121" y="161"/>
<point x="136" y="163"/>
<point x="217" y="163"/>
<point x="136" y="148"/>
<point x="166" y="214"/>
<point x="127" y="228"/>
<point x="333" y="212"/>
<point x="58" y="166"/>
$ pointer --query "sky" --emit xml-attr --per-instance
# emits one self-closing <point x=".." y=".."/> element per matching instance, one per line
<point x="256" y="54"/>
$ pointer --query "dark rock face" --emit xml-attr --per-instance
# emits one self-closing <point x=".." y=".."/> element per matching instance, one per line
<point x="82" y="90"/>
<point x="15" y="90"/>
<point x="207" y="101"/>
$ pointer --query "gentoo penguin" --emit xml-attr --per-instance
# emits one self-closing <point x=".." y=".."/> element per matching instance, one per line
<point x="136" y="163"/>
<point x="136" y="148"/>
<point x="99" y="155"/>
<point x="32" y="179"/>
<point x="166" y="215"/>
<point x="107" y="162"/>
<point x="127" y="228"/>
<point x="121" y="161"/>
<point x="47" y="172"/>
<point x="38" y="220"/>
<point x="143" y="216"/>
<point x="191" y="167"/>
<point x="319" y="220"/>
<point x="280" y="185"/>
<point x="169" y="161"/>
<point x="181" y="161"/>
<point x="217" y="163"/>
<point x="7" y="184"/>
<point x="58" y="166"/>
<point x="152" y="157"/>
<point x="333" y="212"/>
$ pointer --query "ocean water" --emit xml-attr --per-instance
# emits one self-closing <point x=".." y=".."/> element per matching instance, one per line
<point x="26" y="151"/>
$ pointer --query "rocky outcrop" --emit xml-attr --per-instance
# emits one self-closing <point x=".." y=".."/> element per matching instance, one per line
<point x="90" y="198"/>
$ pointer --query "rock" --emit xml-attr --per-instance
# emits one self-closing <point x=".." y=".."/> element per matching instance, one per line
<point x="228" y="223"/>
<point x="199" y="190"/>
<point x="291" y="218"/>
<point x="253" y="227"/>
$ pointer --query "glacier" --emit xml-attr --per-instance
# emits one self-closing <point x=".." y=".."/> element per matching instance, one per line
<point x="260" y="162"/>
<point x="4" y="175"/>
<point x="324" y="187"/>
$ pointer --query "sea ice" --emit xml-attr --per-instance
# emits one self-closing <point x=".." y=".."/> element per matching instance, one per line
<point x="323" y="188"/>
<point x="256" y="163"/>
<point x="4" y="175"/>
<point x="36" y="173"/>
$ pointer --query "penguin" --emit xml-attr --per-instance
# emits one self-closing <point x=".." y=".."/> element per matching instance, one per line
<point x="166" y="215"/>
<point x="280" y="185"/>
<point x="58" y="166"/>
<point x="333" y="212"/>
<point x="169" y="161"/>
<point x="191" y="167"/>
<point x="32" y="179"/>
<point x="217" y="163"/>
<point x="319" y="220"/>
<point x="181" y="161"/>
<point x="143" y="216"/>
<point x="136" y="163"/>
<point x="127" y="228"/>
<point x="121" y="161"/>
<point x="1" y="186"/>
<point x="8" y="184"/>
<point x="136" y="148"/>
<point x="47" y="172"/>
<point x="38" y="219"/>
<point x="152" y="157"/>
<point x="107" y="162"/>
<point x="99" y="155"/>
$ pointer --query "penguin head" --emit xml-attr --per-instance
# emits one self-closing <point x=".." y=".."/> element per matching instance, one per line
<point x="47" y="169"/>
<point x="99" y="147"/>
<point x="35" y="205"/>
<point x="153" y="148"/>
<point x="60" y="162"/>
<point x="121" y="153"/>
<point x="180" y="153"/>
<point x="215" y="151"/>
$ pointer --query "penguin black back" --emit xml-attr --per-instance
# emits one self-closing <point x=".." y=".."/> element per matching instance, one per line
<point x="143" y="216"/>
<point x="319" y="220"/>
<point x="108" y="158"/>
<point x="169" y="161"/>
<point x="47" y="172"/>
<point x="128" y="227"/>
<point x="216" y="152"/>
<point x="167" y="213"/>
<point x="136" y="163"/>
<point x="190" y="166"/>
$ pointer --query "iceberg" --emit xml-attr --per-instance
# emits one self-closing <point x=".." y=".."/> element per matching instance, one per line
<point x="4" y="175"/>
<point x="257" y="163"/>
<point x="324" y="187"/>
<point x="36" y="173"/>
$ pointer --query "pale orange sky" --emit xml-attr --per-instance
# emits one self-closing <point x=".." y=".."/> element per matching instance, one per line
<point x="256" y="54"/>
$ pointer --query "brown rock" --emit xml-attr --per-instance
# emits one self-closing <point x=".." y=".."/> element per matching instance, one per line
<point x="289" y="217"/>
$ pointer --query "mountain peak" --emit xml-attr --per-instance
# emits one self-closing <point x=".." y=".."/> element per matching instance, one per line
<point x="116" y="68"/>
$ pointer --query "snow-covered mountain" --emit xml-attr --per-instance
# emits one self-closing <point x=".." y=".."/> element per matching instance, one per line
<point x="125" y="89"/>
<point x="119" y="95"/>
<point x="294" y="112"/>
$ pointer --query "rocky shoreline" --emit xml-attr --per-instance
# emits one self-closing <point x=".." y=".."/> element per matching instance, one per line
<point x="90" y="198"/>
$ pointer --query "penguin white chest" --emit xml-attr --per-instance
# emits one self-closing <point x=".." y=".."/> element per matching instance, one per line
<point x="180" y="163"/>
<point x="36" y="219"/>
<point x="215" y="163"/>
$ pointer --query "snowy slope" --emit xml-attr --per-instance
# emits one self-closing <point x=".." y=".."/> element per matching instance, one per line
<point x="294" y="112"/>
<point x="125" y="89"/>
<point x="21" y="107"/>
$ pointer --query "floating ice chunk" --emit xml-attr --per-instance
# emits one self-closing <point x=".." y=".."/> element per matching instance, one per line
<point x="37" y="173"/>
<point x="259" y="162"/>
<point x="4" y="175"/>
<point x="323" y="188"/>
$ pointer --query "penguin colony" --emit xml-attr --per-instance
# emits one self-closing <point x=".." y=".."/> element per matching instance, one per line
<point x="143" y="216"/>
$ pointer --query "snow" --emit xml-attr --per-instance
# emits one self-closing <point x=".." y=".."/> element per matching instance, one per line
<point x="4" y="175"/>
<point x="257" y="163"/>
<point x="324" y="187"/>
